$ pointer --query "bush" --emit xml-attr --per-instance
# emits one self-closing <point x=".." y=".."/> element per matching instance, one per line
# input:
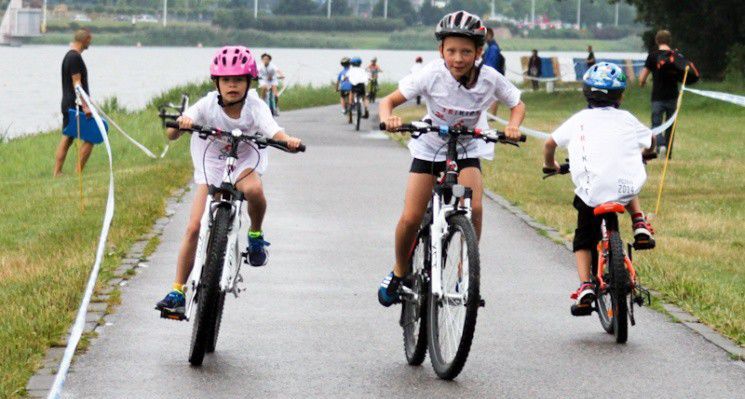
<point x="245" y="20"/>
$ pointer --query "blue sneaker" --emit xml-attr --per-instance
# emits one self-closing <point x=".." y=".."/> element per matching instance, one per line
<point x="174" y="302"/>
<point x="388" y="290"/>
<point x="257" y="252"/>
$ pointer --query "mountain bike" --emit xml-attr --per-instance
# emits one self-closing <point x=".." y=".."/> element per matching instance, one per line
<point x="355" y="109"/>
<point x="617" y="286"/>
<point x="440" y="295"/>
<point x="218" y="258"/>
<point x="372" y="90"/>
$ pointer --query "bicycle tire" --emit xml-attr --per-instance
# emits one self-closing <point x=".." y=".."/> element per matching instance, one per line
<point x="445" y="368"/>
<point x="414" y="313"/>
<point x="603" y="301"/>
<point x="350" y="117"/>
<point x="209" y="287"/>
<point x="619" y="287"/>
<point x="359" y="114"/>
<point x="212" y="342"/>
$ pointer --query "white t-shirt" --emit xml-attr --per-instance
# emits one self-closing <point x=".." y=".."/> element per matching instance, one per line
<point x="449" y="103"/>
<point x="268" y="73"/>
<point x="357" y="75"/>
<point x="416" y="67"/>
<point x="605" y="157"/>
<point x="255" y="117"/>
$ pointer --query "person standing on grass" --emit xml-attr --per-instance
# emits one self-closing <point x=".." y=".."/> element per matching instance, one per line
<point x="74" y="72"/>
<point x="664" y="88"/>
<point x="590" y="57"/>
<point x="493" y="58"/>
<point x="534" y="68"/>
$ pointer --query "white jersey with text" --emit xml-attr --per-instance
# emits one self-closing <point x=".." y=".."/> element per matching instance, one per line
<point x="605" y="159"/>
<point x="449" y="103"/>
<point x="357" y="75"/>
<point x="208" y="156"/>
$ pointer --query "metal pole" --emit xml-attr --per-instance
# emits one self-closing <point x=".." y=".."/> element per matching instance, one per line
<point x="492" y="9"/>
<point x="44" y="17"/>
<point x="328" y="9"/>
<point x="617" y="5"/>
<point x="385" y="9"/>
<point x="165" y="12"/>
<point x="532" y="12"/>
<point x="579" y="6"/>
<point x="256" y="9"/>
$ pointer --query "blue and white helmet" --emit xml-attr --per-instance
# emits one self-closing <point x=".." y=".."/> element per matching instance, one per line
<point x="605" y="76"/>
<point x="356" y="61"/>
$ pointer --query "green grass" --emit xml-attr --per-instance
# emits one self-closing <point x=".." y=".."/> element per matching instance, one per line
<point x="48" y="244"/>
<point x="701" y="222"/>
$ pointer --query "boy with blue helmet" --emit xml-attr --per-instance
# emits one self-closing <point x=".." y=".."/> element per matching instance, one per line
<point x="605" y="156"/>
<point x="343" y="86"/>
<point x="358" y="78"/>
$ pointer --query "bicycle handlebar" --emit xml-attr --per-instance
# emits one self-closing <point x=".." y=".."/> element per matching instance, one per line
<point x="261" y="141"/>
<point x="492" y="136"/>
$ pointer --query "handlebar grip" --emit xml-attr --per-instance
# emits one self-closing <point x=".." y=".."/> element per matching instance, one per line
<point x="523" y="138"/>
<point x="549" y="170"/>
<point x="301" y="148"/>
<point x="382" y="126"/>
<point x="172" y="124"/>
<point x="650" y="156"/>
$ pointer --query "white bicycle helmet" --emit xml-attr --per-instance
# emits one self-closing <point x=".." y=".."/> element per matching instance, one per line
<point x="463" y="24"/>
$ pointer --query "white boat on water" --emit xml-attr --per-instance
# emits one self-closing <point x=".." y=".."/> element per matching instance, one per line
<point x="23" y="19"/>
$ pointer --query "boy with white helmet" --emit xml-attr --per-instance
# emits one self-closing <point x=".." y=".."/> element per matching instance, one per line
<point x="605" y="156"/>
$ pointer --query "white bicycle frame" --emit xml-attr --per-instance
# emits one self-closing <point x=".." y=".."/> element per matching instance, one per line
<point x="438" y="230"/>
<point x="230" y="273"/>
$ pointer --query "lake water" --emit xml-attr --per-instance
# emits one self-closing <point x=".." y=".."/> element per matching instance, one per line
<point x="30" y="82"/>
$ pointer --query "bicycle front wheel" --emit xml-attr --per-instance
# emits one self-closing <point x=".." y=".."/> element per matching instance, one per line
<point x="414" y="307"/>
<point x="203" y="333"/>
<point x="452" y="317"/>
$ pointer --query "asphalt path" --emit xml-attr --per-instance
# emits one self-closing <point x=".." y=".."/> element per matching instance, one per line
<point x="309" y="324"/>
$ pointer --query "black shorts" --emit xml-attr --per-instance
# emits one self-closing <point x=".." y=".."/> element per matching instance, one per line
<point x="435" y="168"/>
<point x="344" y="93"/>
<point x="359" y="89"/>
<point x="587" y="235"/>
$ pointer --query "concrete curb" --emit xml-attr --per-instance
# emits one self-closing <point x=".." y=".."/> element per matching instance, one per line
<point x="735" y="351"/>
<point x="41" y="382"/>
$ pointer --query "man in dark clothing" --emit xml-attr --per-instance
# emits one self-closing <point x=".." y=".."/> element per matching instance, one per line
<point x="590" y="57"/>
<point x="74" y="73"/>
<point x="534" y="68"/>
<point x="664" y="89"/>
<point x="493" y="58"/>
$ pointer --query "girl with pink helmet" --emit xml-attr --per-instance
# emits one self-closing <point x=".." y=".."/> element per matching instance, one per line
<point x="233" y="105"/>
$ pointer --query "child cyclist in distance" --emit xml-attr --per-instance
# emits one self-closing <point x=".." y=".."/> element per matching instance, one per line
<point x="231" y="106"/>
<point x="457" y="91"/>
<point x="605" y="157"/>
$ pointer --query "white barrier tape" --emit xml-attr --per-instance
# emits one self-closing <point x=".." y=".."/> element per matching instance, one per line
<point x="285" y="85"/>
<point x="718" y="95"/>
<point x="165" y="150"/>
<point x="528" y="131"/>
<point x="543" y="135"/>
<point x="116" y="125"/>
<point x="77" y="328"/>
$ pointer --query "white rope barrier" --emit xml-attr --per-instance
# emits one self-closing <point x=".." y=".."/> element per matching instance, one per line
<point x="77" y="328"/>
<point x="718" y="95"/>
<point x="133" y="141"/>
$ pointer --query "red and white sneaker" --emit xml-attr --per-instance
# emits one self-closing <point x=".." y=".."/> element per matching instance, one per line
<point x="643" y="232"/>
<point x="585" y="294"/>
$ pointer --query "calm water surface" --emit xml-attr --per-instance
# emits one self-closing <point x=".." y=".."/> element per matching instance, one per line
<point x="30" y="83"/>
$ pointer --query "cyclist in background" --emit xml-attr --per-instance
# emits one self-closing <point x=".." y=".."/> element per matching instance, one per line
<point x="231" y="106"/>
<point x="373" y="70"/>
<point x="269" y="77"/>
<point x="605" y="156"/>
<point x="456" y="91"/>
<point x="358" y="79"/>
<point x="342" y="84"/>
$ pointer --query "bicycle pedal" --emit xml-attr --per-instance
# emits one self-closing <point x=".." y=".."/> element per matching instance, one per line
<point x="166" y="314"/>
<point x="583" y="310"/>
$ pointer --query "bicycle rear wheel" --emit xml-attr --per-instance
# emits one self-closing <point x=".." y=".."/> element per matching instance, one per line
<point x="414" y="308"/>
<point x="603" y="302"/>
<point x="203" y="333"/>
<point x="619" y="287"/>
<point x="358" y="109"/>
<point x="452" y="318"/>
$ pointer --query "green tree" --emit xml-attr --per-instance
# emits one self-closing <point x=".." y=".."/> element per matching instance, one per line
<point x="296" y="7"/>
<point x="706" y="31"/>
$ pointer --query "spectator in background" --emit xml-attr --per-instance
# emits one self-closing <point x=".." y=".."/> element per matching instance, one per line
<point x="418" y="65"/>
<point x="664" y="88"/>
<point x="590" y="57"/>
<point x="493" y="58"/>
<point x="74" y="72"/>
<point x="534" y="68"/>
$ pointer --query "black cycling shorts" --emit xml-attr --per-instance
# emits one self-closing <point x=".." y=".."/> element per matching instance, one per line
<point x="359" y="89"/>
<point x="435" y="168"/>
<point x="344" y="93"/>
<point x="587" y="235"/>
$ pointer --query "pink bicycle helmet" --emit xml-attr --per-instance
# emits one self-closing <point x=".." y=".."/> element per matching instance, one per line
<point x="234" y="61"/>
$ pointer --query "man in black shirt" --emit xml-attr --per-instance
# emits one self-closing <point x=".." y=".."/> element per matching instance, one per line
<point x="590" y="57"/>
<point x="74" y="73"/>
<point x="664" y="88"/>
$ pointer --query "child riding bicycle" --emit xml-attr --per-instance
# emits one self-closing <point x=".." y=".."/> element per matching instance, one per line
<point x="457" y="91"/>
<point x="231" y="106"/>
<point x="269" y="77"/>
<point x="342" y="84"/>
<point x="358" y="78"/>
<point x="605" y="156"/>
